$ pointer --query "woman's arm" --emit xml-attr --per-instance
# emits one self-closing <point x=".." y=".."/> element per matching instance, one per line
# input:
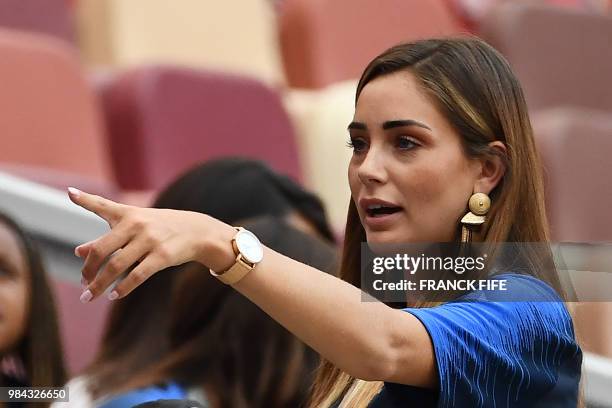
<point x="368" y="340"/>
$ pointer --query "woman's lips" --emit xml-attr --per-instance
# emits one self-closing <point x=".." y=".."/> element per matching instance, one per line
<point x="382" y="221"/>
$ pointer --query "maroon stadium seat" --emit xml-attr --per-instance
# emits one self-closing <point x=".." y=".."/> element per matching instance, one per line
<point x="327" y="41"/>
<point x="562" y="56"/>
<point x="52" y="17"/>
<point x="575" y="145"/>
<point x="51" y="126"/>
<point x="164" y="120"/>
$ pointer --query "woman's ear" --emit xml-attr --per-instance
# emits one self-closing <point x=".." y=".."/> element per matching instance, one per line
<point x="492" y="168"/>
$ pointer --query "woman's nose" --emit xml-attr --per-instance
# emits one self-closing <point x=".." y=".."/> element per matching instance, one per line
<point x="372" y="168"/>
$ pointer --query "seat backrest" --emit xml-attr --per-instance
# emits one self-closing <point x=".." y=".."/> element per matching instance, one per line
<point x="327" y="41"/>
<point x="52" y="17"/>
<point x="49" y="114"/>
<point x="237" y="37"/>
<point x="164" y="120"/>
<point x="561" y="56"/>
<point x="575" y="145"/>
<point x="320" y="118"/>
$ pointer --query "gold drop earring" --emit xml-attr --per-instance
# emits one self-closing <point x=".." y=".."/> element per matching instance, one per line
<point x="479" y="205"/>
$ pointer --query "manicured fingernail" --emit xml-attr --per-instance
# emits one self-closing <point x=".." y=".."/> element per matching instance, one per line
<point x="74" y="191"/>
<point x="86" y="296"/>
<point x="76" y="252"/>
<point x="113" y="295"/>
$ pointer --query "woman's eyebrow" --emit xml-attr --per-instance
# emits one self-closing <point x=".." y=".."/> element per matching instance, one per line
<point x="357" y="125"/>
<point x="404" y="122"/>
<point x="390" y="124"/>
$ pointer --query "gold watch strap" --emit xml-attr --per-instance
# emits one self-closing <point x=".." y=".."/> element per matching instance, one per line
<point x="235" y="273"/>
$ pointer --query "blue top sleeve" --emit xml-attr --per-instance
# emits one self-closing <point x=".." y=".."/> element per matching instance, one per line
<point x="501" y="353"/>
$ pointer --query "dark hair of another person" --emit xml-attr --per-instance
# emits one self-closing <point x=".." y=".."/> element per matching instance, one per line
<point x="39" y="353"/>
<point x="220" y="339"/>
<point x="230" y="190"/>
<point x="247" y="188"/>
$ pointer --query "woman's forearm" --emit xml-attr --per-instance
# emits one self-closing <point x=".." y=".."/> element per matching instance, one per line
<point x="362" y="338"/>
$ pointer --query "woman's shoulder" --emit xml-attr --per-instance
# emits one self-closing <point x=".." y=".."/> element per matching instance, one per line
<point x="518" y="296"/>
<point x="482" y="337"/>
<point x="527" y="308"/>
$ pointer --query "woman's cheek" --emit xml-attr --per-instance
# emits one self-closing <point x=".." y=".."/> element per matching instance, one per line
<point x="428" y="198"/>
<point x="14" y="316"/>
<point x="422" y="189"/>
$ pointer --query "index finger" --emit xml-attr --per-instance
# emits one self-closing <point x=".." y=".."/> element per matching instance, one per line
<point x="102" y="207"/>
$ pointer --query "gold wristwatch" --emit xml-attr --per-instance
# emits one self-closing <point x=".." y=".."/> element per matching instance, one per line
<point x="248" y="251"/>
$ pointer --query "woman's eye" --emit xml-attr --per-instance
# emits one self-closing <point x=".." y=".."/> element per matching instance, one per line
<point x="358" y="145"/>
<point x="406" y="143"/>
<point x="4" y="272"/>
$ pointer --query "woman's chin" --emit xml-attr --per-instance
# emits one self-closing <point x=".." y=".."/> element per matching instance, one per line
<point x="387" y="237"/>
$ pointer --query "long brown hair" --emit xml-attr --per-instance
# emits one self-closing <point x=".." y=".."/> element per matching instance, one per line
<point x="474" y="88"/>
<point x="39" y="353"/>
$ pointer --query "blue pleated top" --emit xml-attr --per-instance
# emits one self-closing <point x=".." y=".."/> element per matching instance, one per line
<point x="498" y="349"/>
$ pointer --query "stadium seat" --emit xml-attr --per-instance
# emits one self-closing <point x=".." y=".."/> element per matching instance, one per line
<point x="163" y="120"/>
<point x="320" y="118"/>
<point x="51" y="126"/>
<point x="327" y="41"/>
<point x="52" y="17"/>
<point x="575" y="145"/>
<point x="561" y="56"/>
<point x="472" y="12"/>
<point x="205" y="34"/>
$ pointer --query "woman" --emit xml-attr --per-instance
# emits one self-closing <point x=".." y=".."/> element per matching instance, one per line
<point x="436" y="121"/>
<point x="224" y="351"/>
<point x="30" y="347"/>
<point x="250" y="189"/>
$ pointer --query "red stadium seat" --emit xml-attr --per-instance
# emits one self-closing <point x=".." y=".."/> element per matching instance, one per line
<point x="575" y="145"/>
<point x="163" y="120"/>
<point x="561" y="56"/>
<point x="51" y="128"/>
<point x="327" y="41"/>
<point x="52" y="17"/>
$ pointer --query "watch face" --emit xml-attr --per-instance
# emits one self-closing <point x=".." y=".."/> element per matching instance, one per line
<point x="249" y="246"/>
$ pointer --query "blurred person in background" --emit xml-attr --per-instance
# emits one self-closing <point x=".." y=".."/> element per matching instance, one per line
<point x="30" y="346"/>
<point x="225" y="352"/>
<point x="443" y="152"/>
<point x="230" y="189"/>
